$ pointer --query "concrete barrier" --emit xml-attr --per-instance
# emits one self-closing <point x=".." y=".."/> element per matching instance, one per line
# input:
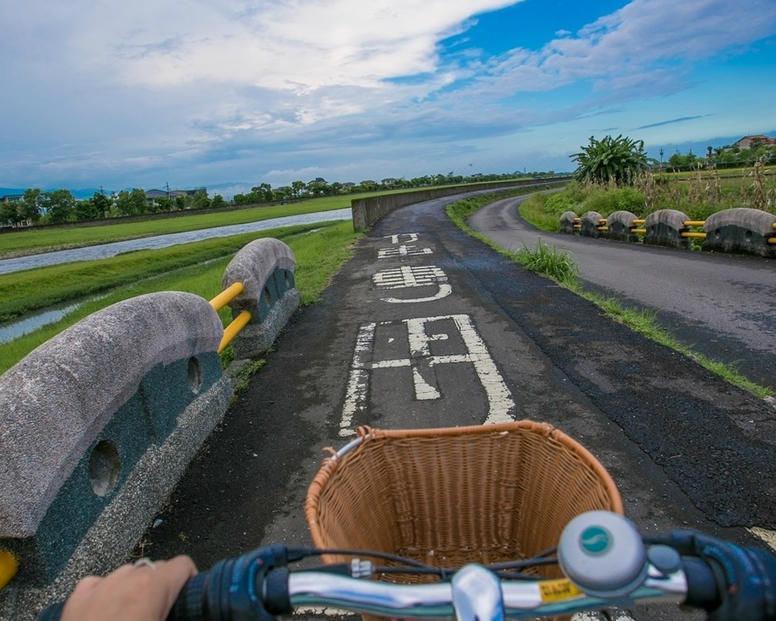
<point x="567" y="221"/>
<point x="740" y="230"/>
<point x="97" y="425"/>
<point x="265" y="267"/>
<point x="665" y="228"/>
<point x="589" y="223"/>
<point x="367" y="211"/>
<point x="620" y="224"/>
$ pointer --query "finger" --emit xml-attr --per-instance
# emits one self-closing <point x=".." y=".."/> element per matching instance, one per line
<point x="175" y="573"/>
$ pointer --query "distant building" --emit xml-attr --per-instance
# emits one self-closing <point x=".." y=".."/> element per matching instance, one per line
<point x="11" y="198"/>
<point x="747" y="141"/>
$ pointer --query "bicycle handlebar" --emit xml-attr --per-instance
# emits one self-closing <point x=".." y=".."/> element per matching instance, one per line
<point x="606" y="561"/>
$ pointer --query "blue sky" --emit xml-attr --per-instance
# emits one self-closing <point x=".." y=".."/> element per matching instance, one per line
<point x="233" y="93"/>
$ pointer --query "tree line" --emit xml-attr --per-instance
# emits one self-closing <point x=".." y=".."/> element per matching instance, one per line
<point x="729" y="156"/>
<point x="60" y="206"/>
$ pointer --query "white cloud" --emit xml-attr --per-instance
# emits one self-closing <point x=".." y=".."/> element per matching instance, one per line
<point x="237" y="87"/>
<point x="635" y="41"/>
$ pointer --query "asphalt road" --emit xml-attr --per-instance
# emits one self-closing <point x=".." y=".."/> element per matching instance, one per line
<point x="722" y="306"/>
<point x="483" y="340"/>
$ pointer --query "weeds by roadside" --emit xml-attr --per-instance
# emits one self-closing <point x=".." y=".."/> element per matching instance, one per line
<point x="549" y="261"/>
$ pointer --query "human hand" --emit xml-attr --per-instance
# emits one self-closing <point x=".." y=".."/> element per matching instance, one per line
<point x="145" y="591"/>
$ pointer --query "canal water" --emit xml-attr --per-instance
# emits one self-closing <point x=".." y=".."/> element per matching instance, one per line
<point x="33" y="321"/>
<point x="104" y="251"/>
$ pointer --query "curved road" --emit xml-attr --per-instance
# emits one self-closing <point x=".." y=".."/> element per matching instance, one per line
<point x="722" y="306"/>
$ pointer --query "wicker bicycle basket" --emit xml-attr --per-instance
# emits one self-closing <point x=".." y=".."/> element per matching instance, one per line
<point x="451" y="496"/>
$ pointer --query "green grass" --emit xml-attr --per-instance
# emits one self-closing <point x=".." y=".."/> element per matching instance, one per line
<point x="318" y="254"/>
<point x="549" y="261"/>
<point x="41" y="239"/>
<point x="561" y="267"/>
<point x="30" y="290"/>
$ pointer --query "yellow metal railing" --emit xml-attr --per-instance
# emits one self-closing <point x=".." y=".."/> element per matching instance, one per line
<point x="221" y="300"/>
<point x="8" y="567"/>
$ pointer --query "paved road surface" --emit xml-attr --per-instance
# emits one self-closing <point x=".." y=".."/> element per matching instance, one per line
<point x="483" y="340"/>
<point x="721" y="305"/>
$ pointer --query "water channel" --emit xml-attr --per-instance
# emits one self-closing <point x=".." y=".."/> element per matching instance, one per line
<point x="38" y="319"/>
<point x="103" y="251"/>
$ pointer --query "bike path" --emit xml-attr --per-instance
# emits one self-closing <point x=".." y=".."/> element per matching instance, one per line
<point x="425" y="327"/>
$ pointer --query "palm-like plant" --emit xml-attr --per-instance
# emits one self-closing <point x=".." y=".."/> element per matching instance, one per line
<point x="610" y="159"/>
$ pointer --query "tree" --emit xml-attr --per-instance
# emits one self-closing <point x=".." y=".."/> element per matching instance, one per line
<point x="9" y="212"/>
<point x="132" y="203"/>
<point x="101" y="204"/>
<point x="610" y="159"/>
<point x="60" y="206"/>
<point x="218" y="201"/>
<point x="263" y="193"/>
<point x="31" y="205"/>
<point x="86" y="210"/>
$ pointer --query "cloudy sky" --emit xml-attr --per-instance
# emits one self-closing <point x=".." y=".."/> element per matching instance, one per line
<point x="231" y="93"/>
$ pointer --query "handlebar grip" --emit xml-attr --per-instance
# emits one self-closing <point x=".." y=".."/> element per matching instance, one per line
<point x="190" y="604"/>
<point x="702" y="585"/>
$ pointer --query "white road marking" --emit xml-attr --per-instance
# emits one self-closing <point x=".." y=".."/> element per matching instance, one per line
<point x="408" y="277"/>
<point x="397" y="239"/>
<point x="403" y="251"/>
<point x="768" y="536"/>
<point x="500" y="402"/>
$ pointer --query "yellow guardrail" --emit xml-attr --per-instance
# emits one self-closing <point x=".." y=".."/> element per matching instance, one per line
<point x="233" y="329"/>
<point x="8" y="567"/>
<point x="694" y="235"/>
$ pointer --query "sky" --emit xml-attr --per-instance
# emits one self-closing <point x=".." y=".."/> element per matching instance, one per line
<point x="228" y="94"/>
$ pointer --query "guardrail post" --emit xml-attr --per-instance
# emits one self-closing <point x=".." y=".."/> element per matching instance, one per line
<point x="621" y="225"/>
<point x="590" y="221"/>
<point x="741" y="230"/>
<point x="665" y="228"/>
<point x="98" y="424"/>
<point x="265" y="267"/>
<point x="567" y="222"/>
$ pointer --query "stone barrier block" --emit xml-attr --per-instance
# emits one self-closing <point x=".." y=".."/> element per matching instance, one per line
<point x="590" y="222"/>
<point x="567" y="222"/>
<point x="740" y="230"/>
<point x="665" y="228"/>
<point x="265" y="267"/>
<point x="80" y="412"/>
<point x="620" y="224"/>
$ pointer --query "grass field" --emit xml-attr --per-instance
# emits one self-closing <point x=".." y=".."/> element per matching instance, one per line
<point x="44" y="239"/>
<point x="318" y="251"/>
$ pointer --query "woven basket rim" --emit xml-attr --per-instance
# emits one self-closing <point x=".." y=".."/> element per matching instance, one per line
<point x="369" y="435"/>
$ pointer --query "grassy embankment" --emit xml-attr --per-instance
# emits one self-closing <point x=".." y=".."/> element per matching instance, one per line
<point x="698" y="195"/>
<point x="45" y="239"/>
<point x="560" y="266"/>
<point x="195" y="268"/>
